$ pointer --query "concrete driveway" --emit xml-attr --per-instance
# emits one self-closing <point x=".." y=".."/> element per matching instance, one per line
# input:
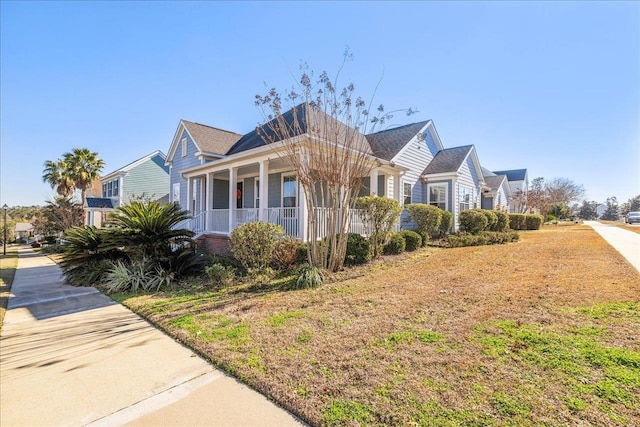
<point x="72" y="356"/>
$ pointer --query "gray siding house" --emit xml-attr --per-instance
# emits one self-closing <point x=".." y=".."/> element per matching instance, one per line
<point x="144" y="179"/>
<point x="225" y="179"/>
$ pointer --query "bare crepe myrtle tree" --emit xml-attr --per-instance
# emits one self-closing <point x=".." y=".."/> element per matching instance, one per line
<point x="321" y="135"/>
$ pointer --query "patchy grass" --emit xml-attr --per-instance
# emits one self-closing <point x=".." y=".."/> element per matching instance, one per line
<point x="545" y="331"/>
<point x="8" y="265"/>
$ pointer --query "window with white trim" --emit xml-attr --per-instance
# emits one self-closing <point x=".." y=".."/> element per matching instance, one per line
<point x="465" y="196"/>
<point x="175" y="194"/>
<point x="406" y="193"/>
<point x="289" y="191"/>
<point x="184" y="147"/>
<point x="437" y="194"/>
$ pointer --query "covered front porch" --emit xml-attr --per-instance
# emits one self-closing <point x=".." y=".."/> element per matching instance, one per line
<point x="223" y="195"/>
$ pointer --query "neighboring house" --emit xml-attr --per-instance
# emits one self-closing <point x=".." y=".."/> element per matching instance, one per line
<point x="600" y="210"/>
<point x="497" y="194"/>
<point x="518" y="182"/>
<point x="144" y="179"/>
<point x="24" y="231"/>
<point x="225" y="179"/>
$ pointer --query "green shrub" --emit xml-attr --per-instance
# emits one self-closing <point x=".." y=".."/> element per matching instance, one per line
<point x="517" y="221"/>
<point x="550" y="218"/>
<point x="50" y="239"/>
<point x="481" y="239"/>
<point x="381" y="214"/>
<point x="358" y="250"/>
<point x="302" y="254"/>
<point x="426" y="217"/>
<point x="53" y="249"/>
<point x="424" y="236"/>
<point x="473" y="221"/>
<point x="395" y="246"/>
<point x="445" y="223"/>
<point x="143" y="274"/>
<point x="220" y="274"/>
<point x="492" y="219"/>
<point x="503" y="221"/>
<point x="286" y="253"/>
<point x="260" y="276"/>
<point x="533" y="222"/>
<point x="92" y="273"/>
<point x="412" y="240"/>
<point x="308" y="276"/>
<point x="254" y="243"/>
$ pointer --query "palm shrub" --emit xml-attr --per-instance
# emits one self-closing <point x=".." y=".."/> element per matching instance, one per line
<point x="149" y="230"/>
<point x="412" y="240"/>
<point x="86" y="254"/>
<point x="381" y="214"/>
<point x="445" y="223"/>
<point x="254" y="243"/>
<point x="426" y="217"/>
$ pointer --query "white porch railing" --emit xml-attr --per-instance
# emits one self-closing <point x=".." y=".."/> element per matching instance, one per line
<point x="217" y="221"/>
<point x="286" y="217"/>
<point x="246" y="215"/>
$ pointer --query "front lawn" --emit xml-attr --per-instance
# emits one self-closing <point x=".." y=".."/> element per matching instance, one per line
<point x="8" y="265"/>
<point x="543" y="331"/>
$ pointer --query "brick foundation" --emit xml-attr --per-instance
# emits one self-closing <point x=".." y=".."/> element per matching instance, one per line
<point x="213" y="244"/>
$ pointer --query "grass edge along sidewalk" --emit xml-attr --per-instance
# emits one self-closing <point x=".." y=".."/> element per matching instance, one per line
<point x="8" y="266"/>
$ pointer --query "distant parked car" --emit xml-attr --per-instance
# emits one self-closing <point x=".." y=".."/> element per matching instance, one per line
<point x="35" y="245"/>
<point x="632" y="217"/>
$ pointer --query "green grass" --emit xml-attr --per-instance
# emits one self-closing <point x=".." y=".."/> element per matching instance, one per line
<point x="347" y="412"/>
<point x="281" y="319"/>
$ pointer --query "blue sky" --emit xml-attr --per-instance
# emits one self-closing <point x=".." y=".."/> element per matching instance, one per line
<point x="553" y="87"/>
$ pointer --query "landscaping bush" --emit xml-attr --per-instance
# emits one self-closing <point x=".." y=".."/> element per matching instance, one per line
<point x="53" y="249"/>
<point x="381" y="214"/>
<point x="358" y="250"/>
<point x="481" y="239"/>
<point x="492" y="219"/>
<point x="426" y="217"/>
<point x="286" y="253"/>
<point x="302" y="254"/>
<point x="142" y="274"/>
<point x="445" y="223"/>
<point x="260" y="276"/>
<point x="220" y="274"/>
<point x="550" y="218"/>
<point x="91" y="273"/>
<point x="424" y="236"/>
<point x="395" y="246"/>
<point x="503" y="221"/>
<point x="254" y="243"/>
<point x="517" y="221"/>
<point x="473" y="221"/>
<point x="533" y="222"/>
<point x="412" y="240"/>
<point x="308" y="276"/>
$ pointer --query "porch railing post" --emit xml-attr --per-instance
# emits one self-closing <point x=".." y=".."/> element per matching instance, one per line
<point x="232" y="197"/>
<point x="263" y="190"/>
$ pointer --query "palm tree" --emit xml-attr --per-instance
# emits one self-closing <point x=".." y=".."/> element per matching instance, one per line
<point x="55" y="173"/>
<point x="83" y="167"/>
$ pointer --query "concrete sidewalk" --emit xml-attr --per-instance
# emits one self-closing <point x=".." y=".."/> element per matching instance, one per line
<point x="624" y="241"/>
<point x="71" y="356"/>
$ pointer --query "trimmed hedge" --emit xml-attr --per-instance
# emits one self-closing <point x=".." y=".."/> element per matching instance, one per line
<point x="426" y="217"/>
<point x="358" y="250"/>
<point x="425" y="237"/>
<point x="481" y="239"/>
<point x="395" y="246"/>
<point x="503" y="221"/>
<point x="445" y="223"/>
<point x="534" y="222"/>
<point x="473" y="221"/>
<point x="412" y="240"/>
<point x="525" y="221"/>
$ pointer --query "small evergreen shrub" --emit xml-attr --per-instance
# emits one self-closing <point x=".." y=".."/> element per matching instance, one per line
<point x="395" y="246"/>
<point x="492" y="219"/>
<point x="412" y="240"/>
<point x="358" y="250"/>
<point x="425" y="216"/>
<point x="503" y="221"/>
<point x="308" y="276"/>
<point x="53" y="249"/>
<point x="533" y="222"/>
<point x="302" y="254"/>
<point x="424" y="236"/>
<point x="517" y="221"/>
<point x="254" y="243"/>
<point x="381" y="214"/>
<point x="445" y="223"/>
<point x="481" y="239"/>
<point x="220" y="274"/>
<point x="286" y="253"/>
<point x="550" y="218"/>
<point x="260" y="276"/>
<point x="139" y="275"/>
<point x="473" y="221"/>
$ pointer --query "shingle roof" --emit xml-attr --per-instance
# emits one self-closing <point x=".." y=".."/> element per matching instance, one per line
<point x="23" y="226"/>
<point x="494" y="181"/>
<point x="254" y="138"/>
<point x="486" y="172"/>
<point x="210" y="139"/>
<point x="448" y="160"/>
<point x="513" y="175"/>
<point x="387" y="143"/>
<point x="99" y="202"/>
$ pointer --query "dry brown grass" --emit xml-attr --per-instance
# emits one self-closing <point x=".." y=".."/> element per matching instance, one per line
<point x="442" y="337"/>
<point x="8" y="265"/>
<point x="631" y="227"/>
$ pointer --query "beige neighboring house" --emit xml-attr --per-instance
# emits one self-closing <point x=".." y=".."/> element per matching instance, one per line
<point x="24" y="231"/>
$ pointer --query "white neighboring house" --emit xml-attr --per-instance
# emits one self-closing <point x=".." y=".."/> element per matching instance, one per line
<point x="600" y="210"/>
<point x="24" y="231"/>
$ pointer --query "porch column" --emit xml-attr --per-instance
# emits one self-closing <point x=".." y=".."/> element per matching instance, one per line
<point x="373" y="182"/>
<point x="188" y="207"/>
<point x="396" y="188"/>
<point x="263" y="190"/>
<point x="209" y="201"/>
<point x="232" y="197"/>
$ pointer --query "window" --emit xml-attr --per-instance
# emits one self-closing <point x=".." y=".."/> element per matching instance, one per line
<point x="465" y="196"/>
<point x="406" y="193"/>
<point x="115" y="188"/>
<point x="175" y="194"/>
<point x="289" y="191"/>
<point x="438" y="195"/>
<point x="184" y="147"/>
<point x="257" y="194"/>
<point x="104" y="190"/>
<point x="110" y="189"/>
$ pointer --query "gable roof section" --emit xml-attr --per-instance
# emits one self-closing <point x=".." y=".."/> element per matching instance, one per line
<point x="99" y="203"/>
<point x="486" y="172"/>
<point x="297" y="126"/>
<point x="495" y="181"/>
<point x="133" y="164"/>
<point x="448" y="160"/>
<point x="23" y="226"/>
<point x="206" y="138"/>
<point x="514" y="174"/>
<point x="387" y="143"/>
